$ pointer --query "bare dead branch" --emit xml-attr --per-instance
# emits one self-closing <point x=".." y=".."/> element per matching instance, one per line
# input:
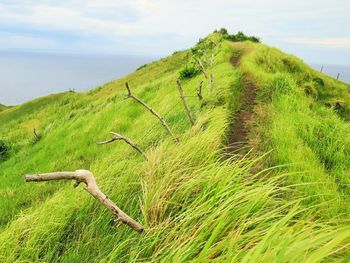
<point x="128" y="88"/>
<point x="199" y="91"/>
<point x="211" y="80"/>
<point x="161" y="119"/>
<point x="185" y="102"/>
<point x="202" y="68"/>
<point x="86" y="177"/>
<point x="119" y="137"/>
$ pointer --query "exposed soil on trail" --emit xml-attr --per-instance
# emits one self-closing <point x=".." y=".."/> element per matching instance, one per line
<point x="239" y="131"/>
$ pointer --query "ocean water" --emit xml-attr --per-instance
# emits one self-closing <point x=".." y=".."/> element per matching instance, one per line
<point x="333" y="70"/>
<point x="25" y="76"/>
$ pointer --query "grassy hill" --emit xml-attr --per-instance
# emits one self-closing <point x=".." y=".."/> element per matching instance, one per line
<point x="282" y="196"/>
<point x="2" y="107"/>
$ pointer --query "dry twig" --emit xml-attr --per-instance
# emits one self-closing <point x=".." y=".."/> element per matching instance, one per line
<point x="119" y="137"/>
<point x="199" y="91"/>
<point x="161" y="119"/>
<point x="202" y="68"/>
<point x="86" y="177"/>
<point x="185" y="102"/>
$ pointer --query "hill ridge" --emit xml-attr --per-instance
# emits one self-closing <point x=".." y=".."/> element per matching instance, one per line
<point x="197" y="201"/>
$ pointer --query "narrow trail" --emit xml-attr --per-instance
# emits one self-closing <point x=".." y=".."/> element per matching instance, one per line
<point x="239" y="131"/>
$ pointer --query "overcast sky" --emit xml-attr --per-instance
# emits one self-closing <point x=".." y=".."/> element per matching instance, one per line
<point x="316" y="30"/>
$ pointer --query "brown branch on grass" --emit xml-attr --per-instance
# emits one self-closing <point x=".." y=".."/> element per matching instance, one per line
<point x="202" y="68"/>
<point x="86" y="177"/>
<point x="185" y="102"/>
<point x="118" y="137"/>
<point x="211" y="80"/>
<point x="199" y="91"/>
<point x="161" y="119"/>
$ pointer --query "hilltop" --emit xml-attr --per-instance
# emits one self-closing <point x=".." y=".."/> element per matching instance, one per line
<point x="261" y="176"/>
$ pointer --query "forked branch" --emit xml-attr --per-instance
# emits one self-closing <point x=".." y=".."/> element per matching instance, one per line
<point x="185" y="102"/>
<point x="161" y="119"/>
<point x="118" y="137"/>
<point x="86" y="177"/>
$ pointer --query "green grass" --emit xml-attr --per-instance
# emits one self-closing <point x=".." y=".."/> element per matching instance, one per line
<point x="2" y="107"/>
<point x="301" y="129"/>
<point x="195" y="203"/>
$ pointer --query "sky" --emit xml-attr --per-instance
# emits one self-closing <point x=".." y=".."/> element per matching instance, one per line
<point x="316" y="30"/>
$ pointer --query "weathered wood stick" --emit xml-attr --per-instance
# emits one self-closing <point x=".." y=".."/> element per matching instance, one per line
<point x="119" y="137"/>
<point x="161" y="119"/>
<point x="202" y="68"/>
<point x="86" y="177"/>
<point x="185" y="102"/>
<point x="199" y="91"/>
<point x="338" y="76"/>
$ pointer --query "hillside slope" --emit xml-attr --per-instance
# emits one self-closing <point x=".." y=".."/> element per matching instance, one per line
<point x="2" y="107"/>
<point x="203" y="198"/>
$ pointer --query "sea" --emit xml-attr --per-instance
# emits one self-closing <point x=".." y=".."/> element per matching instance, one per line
<point x="27" y="75"/>
<point x="333" y="70"/>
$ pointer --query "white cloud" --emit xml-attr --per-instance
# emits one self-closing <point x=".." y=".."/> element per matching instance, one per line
<point x="162" y="26"/>
<point x="338" y="42"/>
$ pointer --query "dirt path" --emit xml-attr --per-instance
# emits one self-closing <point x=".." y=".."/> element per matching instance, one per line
<point x="238" y="137"/>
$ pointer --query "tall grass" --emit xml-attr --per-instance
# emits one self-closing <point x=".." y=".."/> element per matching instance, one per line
<point x="195" y="205"/>
<point x="301" y="130"/>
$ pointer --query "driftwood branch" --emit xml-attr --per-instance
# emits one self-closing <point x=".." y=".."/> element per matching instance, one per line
<point x="202" y="68"/>
<point x="199" y="91"/>
<point x="86" y="177"/>
<point x="119" y="137"/>
<point x="161" y="119"/>
<point x="185" y="102"/>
